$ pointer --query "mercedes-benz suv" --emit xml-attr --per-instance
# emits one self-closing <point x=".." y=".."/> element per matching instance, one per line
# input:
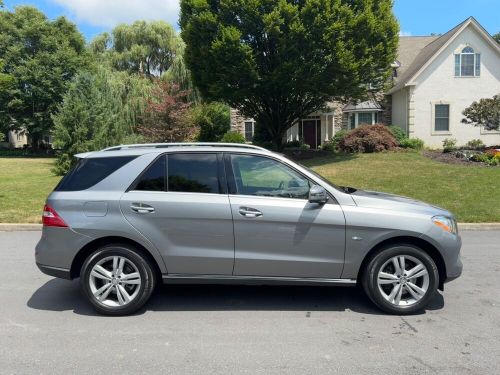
<point x="128" y="217"/>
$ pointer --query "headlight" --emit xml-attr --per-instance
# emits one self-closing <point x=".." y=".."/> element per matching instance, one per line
<point x="445" y="223"/>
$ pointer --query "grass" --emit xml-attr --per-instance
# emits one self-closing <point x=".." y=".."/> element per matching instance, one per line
<point x="472" y="193"/>
<point x="24" y="185"/>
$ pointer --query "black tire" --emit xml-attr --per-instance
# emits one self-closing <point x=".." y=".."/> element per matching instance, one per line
<point x="147" y="278"/>
<point x="371" y="271"/>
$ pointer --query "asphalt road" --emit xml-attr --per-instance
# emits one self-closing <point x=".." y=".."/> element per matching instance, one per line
<point x="46" y="327"/>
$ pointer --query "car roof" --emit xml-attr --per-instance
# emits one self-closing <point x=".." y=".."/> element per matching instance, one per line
<point x="141" y="149"/>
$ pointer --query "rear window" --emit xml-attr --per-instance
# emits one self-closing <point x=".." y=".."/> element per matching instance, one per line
<point x="89" y="172"/>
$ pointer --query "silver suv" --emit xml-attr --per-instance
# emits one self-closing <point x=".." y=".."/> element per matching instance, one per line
<point x="128" y="216"/>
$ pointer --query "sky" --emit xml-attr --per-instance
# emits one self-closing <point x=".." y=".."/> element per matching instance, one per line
<point x="416" y="17"/>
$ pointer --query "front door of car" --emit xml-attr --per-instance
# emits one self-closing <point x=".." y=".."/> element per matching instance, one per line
<point x="278" y="233"/>
<point x="181" y="205"/>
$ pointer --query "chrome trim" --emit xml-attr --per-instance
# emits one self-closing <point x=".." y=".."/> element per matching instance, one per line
<point x="216" y="279"/>
<point x="192" y="144"/>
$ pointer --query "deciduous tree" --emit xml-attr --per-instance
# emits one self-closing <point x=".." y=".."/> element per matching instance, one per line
<point x="485" y="112"/>
<point x="279" y="60"/>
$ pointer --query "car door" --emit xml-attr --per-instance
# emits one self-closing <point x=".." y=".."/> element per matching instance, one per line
<point x="180" y="204"/>
<point x="278" y="233"/>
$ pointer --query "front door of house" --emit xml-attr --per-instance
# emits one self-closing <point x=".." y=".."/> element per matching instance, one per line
<point x="310" y="132"/>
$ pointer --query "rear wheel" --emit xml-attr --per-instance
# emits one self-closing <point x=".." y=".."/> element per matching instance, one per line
<point x="401" y="279"/>
<point x="117" y="280"/>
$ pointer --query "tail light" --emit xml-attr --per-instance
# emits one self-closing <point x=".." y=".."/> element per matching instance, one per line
<point x="51" y="218"/>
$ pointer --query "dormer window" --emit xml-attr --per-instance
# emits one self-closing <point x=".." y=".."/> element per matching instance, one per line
<point x="467" y="63"/>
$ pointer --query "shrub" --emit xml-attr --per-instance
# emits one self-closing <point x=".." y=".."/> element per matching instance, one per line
<point x="305" y="146"/>
<point x="475" y="144"/>
<point x="449" y="144"/>
<point x="213" y="120"/>
<point x="337" y="138"/>
<point x="328" y="146"/>
<point x="2" y="137"/>
<point x="483" y="158"/>
<point x="233" y="137"/>
<point x="398" y="133"/>
<point x="368" y="138"/>
<point x="292" y="144"/>
<point x="414" y="143"/>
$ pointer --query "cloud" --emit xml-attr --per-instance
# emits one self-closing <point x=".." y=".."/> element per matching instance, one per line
<point x="109" y="13"/>
<point x="404" y="33"/>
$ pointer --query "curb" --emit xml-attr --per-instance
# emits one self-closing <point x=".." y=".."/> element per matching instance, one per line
<point x="461" y="227"/>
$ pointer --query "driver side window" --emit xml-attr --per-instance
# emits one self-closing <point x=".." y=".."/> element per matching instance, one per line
<point x="261" y="176"/>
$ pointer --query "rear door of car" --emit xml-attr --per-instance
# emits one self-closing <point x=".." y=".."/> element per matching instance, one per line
<point x="180" y="204"/>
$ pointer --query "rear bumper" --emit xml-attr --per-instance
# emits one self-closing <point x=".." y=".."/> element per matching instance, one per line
<point x="55" y="271"/>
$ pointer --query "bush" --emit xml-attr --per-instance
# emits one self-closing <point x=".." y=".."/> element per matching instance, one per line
<point x="449" y="144"/>
<point x="368" y="138"/>
<point x="292" y="144"/>
<point x="233" y="137"/>
<point x="475" y="144"/>
<point x="328" y="146"/>
<point x="398" y="133"/>
<point x="337" y="138"/>
<point x="2" y="137"/>
<point x="414" y="143"/>
<point x="305" y="146"/>
<point x="213" y="120"/>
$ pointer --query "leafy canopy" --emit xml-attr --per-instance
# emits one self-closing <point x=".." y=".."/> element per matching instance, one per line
<point x="279" y="60"/>
<point x="485" y="112"/>
<point x="213" y="119"/>
<point x="39" y="59"/>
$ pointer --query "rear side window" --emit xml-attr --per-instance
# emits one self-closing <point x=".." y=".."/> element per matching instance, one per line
<point x="89" y="172"/>
<point x="193" y="173"/>
<point x="155" y="177"/>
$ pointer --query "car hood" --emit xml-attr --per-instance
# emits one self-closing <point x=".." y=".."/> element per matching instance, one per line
<point x="375" y="199"/>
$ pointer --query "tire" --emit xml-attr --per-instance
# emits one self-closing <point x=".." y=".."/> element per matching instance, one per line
<point x="113" y="290"/>
<point x="382" y="284"/>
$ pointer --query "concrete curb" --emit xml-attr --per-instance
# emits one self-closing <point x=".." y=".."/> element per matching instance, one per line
<point x="461" y="226"/>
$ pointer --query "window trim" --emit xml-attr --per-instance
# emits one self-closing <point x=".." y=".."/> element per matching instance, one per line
<point x="458" y="60"/>
<point x="232" y="189"/>
<point x="245" y="130"/>
<point x="433" y="118"/>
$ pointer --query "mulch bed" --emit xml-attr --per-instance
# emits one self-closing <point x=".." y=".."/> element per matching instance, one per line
<point x="450" y="158"/>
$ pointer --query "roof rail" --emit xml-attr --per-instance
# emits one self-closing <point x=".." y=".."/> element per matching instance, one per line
<point x="193" y="144"/>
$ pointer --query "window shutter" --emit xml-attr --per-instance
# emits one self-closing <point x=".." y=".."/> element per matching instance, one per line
<point x="478" y="65"/>
<point x="457" y="65"/>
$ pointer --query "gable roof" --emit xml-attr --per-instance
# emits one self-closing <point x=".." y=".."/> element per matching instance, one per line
<point x="416" y="53"/>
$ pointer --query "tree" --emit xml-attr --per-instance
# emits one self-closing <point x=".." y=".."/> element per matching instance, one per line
<point x="40" y="57"/>
<point x="279" y="60"/>
<point x="100" y="109"/>
<point x="497" y="37"/>
<point x="165" y="117"/>
<point x="485" y="112"/>
<point x="213" y="120"/>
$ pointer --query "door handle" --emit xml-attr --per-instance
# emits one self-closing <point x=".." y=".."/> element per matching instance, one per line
<point x="249" y="212"/>
<point x="142" y="208"/>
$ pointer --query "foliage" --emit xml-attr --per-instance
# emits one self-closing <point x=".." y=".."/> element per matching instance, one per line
<point x="414" y="143"/>
<point x="293" y="144"/>
<point x="485" y="112"/>
<point x="338" y="136"/>
<point x="233" y="137"/>
<point x="490" y="157"/>
<point x="100" y="109"/>
<point x="213" y="120"/>
<point x="166" y="115"/>
<point x="278" y="61"/>
<point x="328" y="146"/>
<point x="475" y="144"/>
<point x="368" y="138"/>
<point x="449" y="144"/>
<point x="497" y="37"/>
<point x="40" y="57"/>
<point x="398" y="133"/>
<point x="2" y="137"/>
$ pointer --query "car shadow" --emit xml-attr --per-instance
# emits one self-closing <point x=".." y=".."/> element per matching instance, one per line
<point x="62" y="295"/>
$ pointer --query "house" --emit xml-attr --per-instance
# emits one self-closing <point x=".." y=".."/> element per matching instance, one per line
<point x="22" y="139"/>
<point x="434" y="79"/>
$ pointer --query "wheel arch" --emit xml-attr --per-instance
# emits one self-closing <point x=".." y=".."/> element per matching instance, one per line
<point x="89" y="248"/>
<point x="426" y="246"/>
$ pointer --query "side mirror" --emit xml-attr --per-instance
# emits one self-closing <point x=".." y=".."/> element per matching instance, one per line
<point x="317" y="194"/>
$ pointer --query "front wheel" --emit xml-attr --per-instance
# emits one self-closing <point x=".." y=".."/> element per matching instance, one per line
<point x="117" y="280"/>
<point x="401" y="279"/>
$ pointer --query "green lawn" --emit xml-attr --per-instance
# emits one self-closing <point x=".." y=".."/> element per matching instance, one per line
<point x="24" y="185"/>
<point x="472" y="193"/>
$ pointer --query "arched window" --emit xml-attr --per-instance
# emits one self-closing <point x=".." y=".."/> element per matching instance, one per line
<point x="467" y="63"/>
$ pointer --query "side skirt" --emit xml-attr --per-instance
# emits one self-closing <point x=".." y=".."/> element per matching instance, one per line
<point x="252" y="280"/>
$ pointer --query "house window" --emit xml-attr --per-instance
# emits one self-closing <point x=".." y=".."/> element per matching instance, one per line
<point x="467" y="63"/>
<point x="365" y="118"/>
<point x="249" y="130"/>
<point x="359" y="118"/>
<point x="442" y="117"/>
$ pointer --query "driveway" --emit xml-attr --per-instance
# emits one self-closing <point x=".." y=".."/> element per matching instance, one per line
<point x="47" y="328"/>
